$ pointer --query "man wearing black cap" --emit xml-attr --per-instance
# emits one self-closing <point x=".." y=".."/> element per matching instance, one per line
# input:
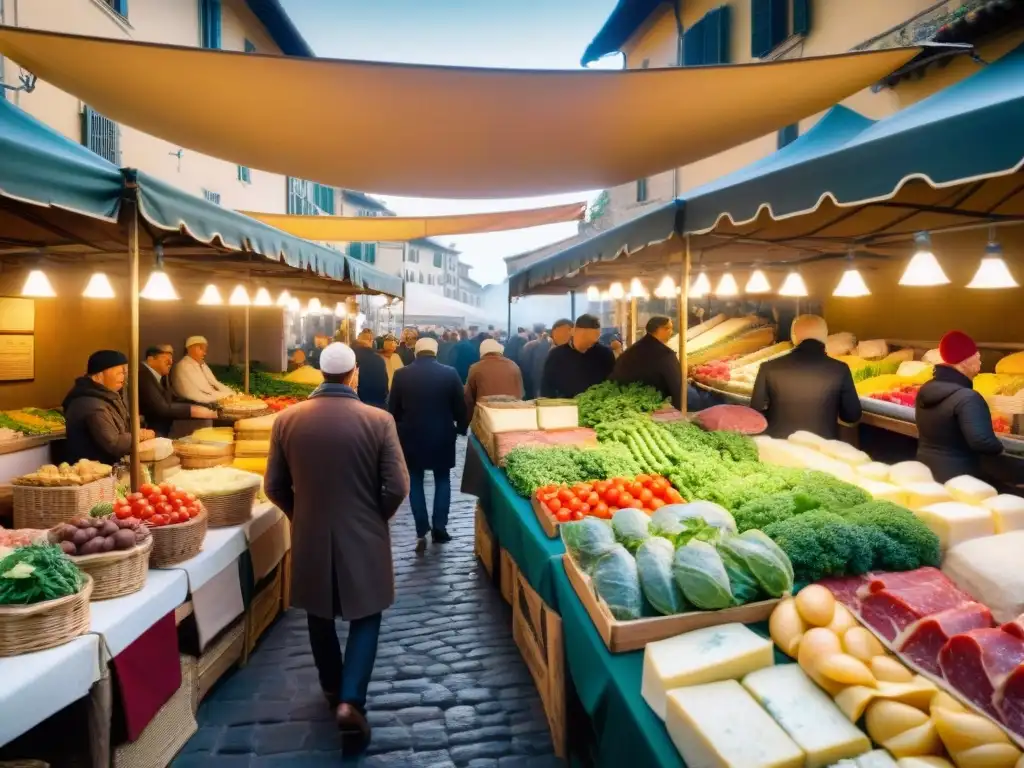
<point x="578" y="365"/>
<point x="98" y="424"/>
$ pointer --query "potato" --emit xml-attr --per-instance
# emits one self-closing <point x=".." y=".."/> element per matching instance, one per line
<point x="92" y="547"/>
<point x="81" y="522"/>
<point x="66" y="532"/>
<point x="109" y="528"/>
<point x="108" y="543"/>
<point x="124" y="539"/>
<point x="82" y="535"/>
<point x="68" y="548"/>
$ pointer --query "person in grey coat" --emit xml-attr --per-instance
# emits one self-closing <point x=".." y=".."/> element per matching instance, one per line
<point x="336" y="470"/>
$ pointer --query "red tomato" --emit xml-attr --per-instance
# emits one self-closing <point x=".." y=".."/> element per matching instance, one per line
<point x="123" y="513"/>
<point x="577" y="515"/>
<point x="646" y="496"/>
<point x="147" y="489"/>
<point x="189" y="497"/>
<point x="635" y="488"/>
<point x="593" y="498"/>
<point x="580" y="490"/>
<point x="672" y="496"/>
<point x="600" y="510"/>
<point x="145" y="513"/>
<point x="643" y="479"/>
<point x="637" y="504"/>
<point x="585" y="509"/>
<point x="575" y="504"/>
<point x="166" y="488"/>
<point x="174" y="518"/>
<point x="618" y="481"/>
<point x="134" y="497"/>
<point x="601" y="486"/>
<point x="565" y="495"/>
<point x="177" y="503"/>
<point x="156" y="520"/>
<point x="625" y="499"/>
<point x="612" y="496"/>
<point x="554" y="505"/>
<point x="658" y="486"/>
<point x="656" y="504"/>
<point x="178" y="495"/>
<point x="193" y="512"/>
<point x="563" y="516"/>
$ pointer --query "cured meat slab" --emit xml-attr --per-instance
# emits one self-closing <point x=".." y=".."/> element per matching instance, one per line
<point x="978" y="662"/>
<point x="732" y="418"/>
<point x="922" y="641"/>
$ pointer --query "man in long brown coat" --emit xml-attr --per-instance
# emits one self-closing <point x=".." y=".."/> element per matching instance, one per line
<point x="336" y="470"/>
<point x="495" y="374"/>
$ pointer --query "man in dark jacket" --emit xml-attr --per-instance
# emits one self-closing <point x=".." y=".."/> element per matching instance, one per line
<point x="445" y="347"/>
<point x="514" y="347"/>
<point x="464" y="354"/>
<point x="157" y="406"/>
<point x="652" y="362"/>
<point x="535" y="354"/>
<point x="97" y="420"/>
<point x="373" y="371"/>
<point x="954" y="423"/>
<point x="575" y="367"/>
<point x="406" y="348"/>
<point x="806" y="389"/>
<point x="428" y="404"/>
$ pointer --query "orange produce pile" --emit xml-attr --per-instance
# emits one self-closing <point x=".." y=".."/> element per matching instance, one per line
<point x="603" y="498"/>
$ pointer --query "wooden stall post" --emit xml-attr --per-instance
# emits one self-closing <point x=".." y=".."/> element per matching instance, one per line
<point x="684" y="314"/>
<point x="245" y="350"/>
<point x="135" y="467"/>
<point x="632" y="320"/>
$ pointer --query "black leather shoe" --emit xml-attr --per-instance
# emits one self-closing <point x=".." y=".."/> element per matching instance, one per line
<point x="355" y="729"/>
<point x="440" y="537"/>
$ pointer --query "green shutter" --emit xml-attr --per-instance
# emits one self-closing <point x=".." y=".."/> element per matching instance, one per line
<point x="121" y="6"/>
<point x="801" y="17"/>
<point x="769" y="25"/>
<point x="209" y="24"/>
<point x="250" y="47"/>
<point x="787" y="135"/>
<point x="693" y="45"/>
<point x="716" y="36"/>
<point x="780" y="21"/>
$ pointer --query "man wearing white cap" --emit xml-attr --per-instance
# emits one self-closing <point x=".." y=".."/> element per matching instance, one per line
<point x="427" y="403"/>
<point x="336" y="470"/>
<point x="191" y="378"/>
<point x="495" y="374"/>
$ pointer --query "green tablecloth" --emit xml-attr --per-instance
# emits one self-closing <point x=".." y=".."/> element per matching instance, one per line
<point x="517" y="529"/>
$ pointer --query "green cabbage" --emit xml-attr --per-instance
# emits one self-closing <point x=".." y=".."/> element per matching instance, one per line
<point x="672" y="520"/>
<point x="701" y="575"/>
<point x="630" y="527"/>
<point x="654" y="564"/>
<point x="586" y="540"/>
<point x="742" y="582"/>
<point x="769" y="563"/>
<point x="617" y="582"/>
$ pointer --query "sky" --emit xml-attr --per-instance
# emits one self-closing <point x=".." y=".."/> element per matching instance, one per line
<point x="510" y="34"/>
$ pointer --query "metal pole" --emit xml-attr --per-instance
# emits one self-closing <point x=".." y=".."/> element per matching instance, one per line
<point x="632" y="320"/>
<point x="684" y="314"/>
<point x="135" y="466"/>
<point x="572" y="306"/>
<point x="246" y="349"/>
<point x="510" y="311"/>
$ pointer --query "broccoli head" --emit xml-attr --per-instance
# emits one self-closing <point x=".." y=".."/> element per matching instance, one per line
<point x="909" y="543"/>
<point x="772" y="508"/>
<point x="821" y="543"/>
<point x="831" y="493"/>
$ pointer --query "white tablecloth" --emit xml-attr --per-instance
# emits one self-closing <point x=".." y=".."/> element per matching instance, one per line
<point x="37" y="685"/>
<point x="123" y="620"/>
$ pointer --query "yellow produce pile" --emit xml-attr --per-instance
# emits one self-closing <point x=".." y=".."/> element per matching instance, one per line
<point x="307" y="374"/>
<point x="1012" y="364"/>
<point x="252" y="443"/>
<point x="50" y="475"/>
<point x="991" y="384"/>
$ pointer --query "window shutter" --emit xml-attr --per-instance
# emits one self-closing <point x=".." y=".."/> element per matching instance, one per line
<point x="801" y="17"/>
<point x="780" y="21"/>
<point x="209" y="23"/>
<point x="716" y="36"/>
<point x="371" y="253"/>
<point x="121" y="7"/>
<point x="693" y="45"/>
<point x="100" y="134"/>
<point x="250" y="47"/>
<point x="760" y="27"/>
<point x="788" y="135"/>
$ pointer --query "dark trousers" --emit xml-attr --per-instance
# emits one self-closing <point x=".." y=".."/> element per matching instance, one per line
<point x="418" y="500"/>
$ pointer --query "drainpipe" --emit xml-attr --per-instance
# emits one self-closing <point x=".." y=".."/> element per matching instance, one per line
<point x="677" y="9"/>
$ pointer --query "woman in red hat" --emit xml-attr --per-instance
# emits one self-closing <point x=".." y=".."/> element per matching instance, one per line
<point x="953" y="421"/>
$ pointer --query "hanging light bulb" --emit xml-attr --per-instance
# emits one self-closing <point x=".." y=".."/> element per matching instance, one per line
<point x="239" y="297"/>
<point x="284" y="299"/>
<point x="99" y="287"/>
<point x="793" y="285"/>
<point x="701" y="286"/>
<point x="339" y="310"/>
<point x="314" y="307"/>
<point x="923" y="269"/>
<point x="637" y="290"/>
<point x="727" y="286"/>
<point x="992" y="272"/>
<point x="37" y="285"/>
<point x="758" y="283"/>
<point x="615" y="291"/>
<point x="211" y="296"/>
<point x="158" y="286"/>
<point x="294" y="305"/>
<point x="851" y="284"/>
<point x="605" y="296"/>
<point x="263" y="298"/>
<point x="593" y="293"/>
<point x="666" y="288"/>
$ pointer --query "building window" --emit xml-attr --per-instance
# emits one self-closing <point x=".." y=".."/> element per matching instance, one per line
<point x="307" y="198"/>
<point x="209" y="24"/>
<point x="414" y="256"/>
<point x="244" y="174"/>
<point x="774" y="21"/>
<point x="213" y="197"/>
<point x="788" y="135"/>
<point x="438" y="260"/>
<point x="641" y="191"/>
<point x="366" y="212"/>
<point x="101" y="135"/>
<point x="706" y="42"/>
<point x="363" y="251"/>
<point x="118" y="6"/>
<point x="421" y="278"/>
<point x="250" y="46"/>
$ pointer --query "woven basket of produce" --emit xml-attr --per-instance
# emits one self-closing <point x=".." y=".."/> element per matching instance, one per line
<point x="30" y="619"/>
<point x="173" y="544"/>
<point x="231" y="508"/>
<point x="114" y="552"/>
<point x="227" y="494"/>
<point x="43" y="500"/>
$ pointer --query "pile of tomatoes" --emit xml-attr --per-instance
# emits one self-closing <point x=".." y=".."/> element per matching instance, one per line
<point x="158" y="505"/>
<point x="603" y="498"/>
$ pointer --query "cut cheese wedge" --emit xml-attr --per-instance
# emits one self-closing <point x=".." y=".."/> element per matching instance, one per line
<point x="921" y="495"/>
<point x="874" y="470"/>
<point x="884" y="491"/>
<point x="1007" y="510"/>
<point x="807" y="714"/>
<point x="990" y="569"/>
<point x="970" y="490"/>
<point x="907" y="472"/>
<point x="807" y="439"/>
<point x="725" y="652"/>
<point x="954" y="522"/>
<point x="719" y="725"/>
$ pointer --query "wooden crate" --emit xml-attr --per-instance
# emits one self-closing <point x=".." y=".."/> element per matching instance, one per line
<point x="485" y="546"/>
<point x="509" y="573"/>
<point x="537" y="631"/>
<point x="633" y="635"/>
<point x="219" y="657"/>
<point x="547" y="522"/>
<point x="265" y="606"/>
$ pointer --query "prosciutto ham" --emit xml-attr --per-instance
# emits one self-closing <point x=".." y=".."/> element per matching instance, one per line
<point x="923" y="640"/>
<point x="978" y="662"/>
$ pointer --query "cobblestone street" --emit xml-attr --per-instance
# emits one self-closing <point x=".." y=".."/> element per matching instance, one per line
<point x="449" y="687"/>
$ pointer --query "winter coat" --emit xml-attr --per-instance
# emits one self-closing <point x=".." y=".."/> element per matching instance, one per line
<point x="493" y="375"/>
<point x="444" y="352"/>
<point x="336" y="470"/>
<point x="464" y="354"/>
<point x="97" y="422"/>
<point x="514" y="348"/>
<point x="157" y="406"/>
<point x="568" y="372"/>
<point x="406" y="353"/>
<point x="954" y="426"/>
<point x="652" y="363"/>
<point x="373" y="377"/>
<point x="531" y="363"/>
<point x="430" y="412"/>
<point x="806" y="390"/>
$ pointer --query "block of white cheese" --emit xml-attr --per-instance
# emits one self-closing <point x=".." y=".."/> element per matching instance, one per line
<point x="807" y="439"/>
<point x="783" y="453"/>
<point x="1008" y="511"/>
<point x="845" y="452"/>
<point x="970" y="490"/>
<point x="557" y="414"/>
<point x="883" y="491"/>
<point x="876" y="758"/>
<point x="874" y="470"/>
<point x="907" y="472"/>
<point x="807" y="714"/>
<point x="921" y="495"/>
<point x="954" y="522"/>
<point x="822" y="463"/>
<point x="725" y="652"/>
<point x="719" y="725"/>
<point x="508" y="417"/>
<point x="989" y="570"/>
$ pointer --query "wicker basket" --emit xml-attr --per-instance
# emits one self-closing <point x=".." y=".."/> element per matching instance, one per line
<point x="204" y="462"/>
<point x="116" y="574"/>
<point x="173" y="544"/>
<point x="230" y="509"/>
<point x="228" y="413"/>
<point x="44" y="507"/>
<point x="29" y="628"/>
